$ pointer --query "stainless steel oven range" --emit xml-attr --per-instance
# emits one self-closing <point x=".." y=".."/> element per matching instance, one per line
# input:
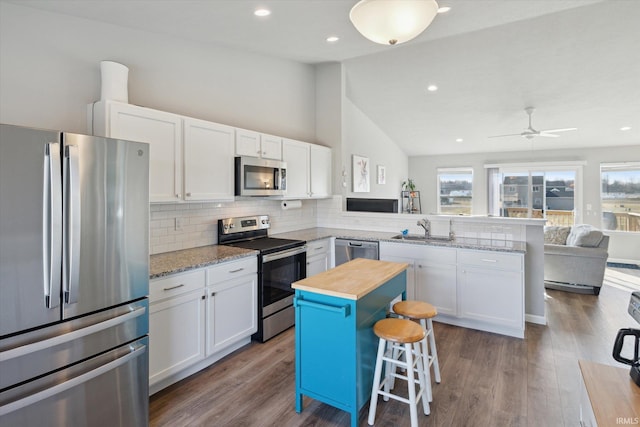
<point x="280" y="263"/>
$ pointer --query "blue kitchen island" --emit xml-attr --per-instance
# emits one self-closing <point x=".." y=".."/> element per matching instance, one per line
<point x="335" y="344"/>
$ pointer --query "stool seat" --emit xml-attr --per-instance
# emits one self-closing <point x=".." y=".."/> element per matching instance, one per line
<point x="399" y="330"/>
<point x="415" y="309"/>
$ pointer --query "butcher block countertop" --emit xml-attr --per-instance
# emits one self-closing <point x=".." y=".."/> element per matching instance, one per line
<point x="352" y="280"/>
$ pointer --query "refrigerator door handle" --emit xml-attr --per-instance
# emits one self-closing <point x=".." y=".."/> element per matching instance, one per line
<point x="72" y="237"/>
<point x="135" y="351"/>
<point x="71" y="336"/>
<point x="52" y="224"/>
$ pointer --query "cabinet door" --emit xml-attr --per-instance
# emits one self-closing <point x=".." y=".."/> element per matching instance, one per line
<point x="320" y="171"/>
<point x="491" y="295"/>
<point x="208" y="160"/>
<point x="247" y="143"/>
<point x="176" y="334"/>
<point x="436" y="284"/>
<point x="411" y="284"/>
<point x="163" y="131"/>
<point x="296" y="154"/>
<point x="271" y="147"/>
<point x="317" y="264"/>
<point x="231" y="312"/>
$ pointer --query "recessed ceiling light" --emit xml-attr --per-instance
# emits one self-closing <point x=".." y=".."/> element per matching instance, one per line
<point x="262" y="12"/>
<point x="432" y="88"/>
<point x="444" y="9"/>
<point x="459" y="140"/>
<point x="625" y="128"/>
<point x="333" y="39"/>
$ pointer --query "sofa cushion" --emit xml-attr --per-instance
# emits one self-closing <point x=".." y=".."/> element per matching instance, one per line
<point x="556" y="235"/>
<point x="584" y="235"/>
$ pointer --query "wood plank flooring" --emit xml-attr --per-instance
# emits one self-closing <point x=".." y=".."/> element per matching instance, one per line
<point x="487" y="379"/>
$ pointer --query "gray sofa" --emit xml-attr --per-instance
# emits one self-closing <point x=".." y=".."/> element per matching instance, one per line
<point x="578" y="265"/>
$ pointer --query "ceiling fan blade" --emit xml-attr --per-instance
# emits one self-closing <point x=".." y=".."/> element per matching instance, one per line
<point x="509" y="134"/>
<point x="558" y="130"/>
<point x="548" y="135"/>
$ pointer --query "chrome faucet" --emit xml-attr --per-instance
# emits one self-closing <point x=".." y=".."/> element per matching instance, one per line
<point x="424" y="223"/>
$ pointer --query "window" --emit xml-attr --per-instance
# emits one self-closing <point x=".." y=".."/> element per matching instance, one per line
<point x="620" y="196"/>
<point x="455" y="191"/>
<point x="535" y="191"/>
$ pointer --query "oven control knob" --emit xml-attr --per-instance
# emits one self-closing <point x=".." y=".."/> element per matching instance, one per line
<point x="232" y="226"/>
<point x="226" y="227"/>
<point x="264" y="221"/>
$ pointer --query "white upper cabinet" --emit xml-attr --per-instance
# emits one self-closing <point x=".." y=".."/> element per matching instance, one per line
<point x="207" y="164"/>
<point x="208" y="160"/>
<point x="320" y="181"/>
<point x="297" y="156"/>
<point x="255" y="144"/>
<point x="271" y="147"/>
<point x="163" y="131"/>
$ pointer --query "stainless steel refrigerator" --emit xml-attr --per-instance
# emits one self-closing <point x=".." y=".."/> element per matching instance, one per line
<point x="74" y="279"/>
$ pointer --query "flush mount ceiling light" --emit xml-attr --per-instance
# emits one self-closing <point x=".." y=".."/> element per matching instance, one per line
<point x="392" y="21"/>
<point x="262" y="12"/>
<point x="332" y="39"/>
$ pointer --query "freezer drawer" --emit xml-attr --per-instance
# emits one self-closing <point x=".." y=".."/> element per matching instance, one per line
<point x="29" y="355"/>
<point x="108" y="390"/>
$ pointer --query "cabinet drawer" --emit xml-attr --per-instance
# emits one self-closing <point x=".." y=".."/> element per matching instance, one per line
<point x="176" y="284"/>
<point x="435" y="255"/>
<point x="318" y="247"/>
<point x="231" y="270"/>
<point x="491" y="259"/>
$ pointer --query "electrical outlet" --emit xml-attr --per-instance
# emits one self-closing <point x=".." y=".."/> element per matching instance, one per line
<point x="589" y="206"/>
<point x="178" y="226"/>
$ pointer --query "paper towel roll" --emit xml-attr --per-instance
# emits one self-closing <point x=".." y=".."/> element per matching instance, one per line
<point x="291" y="204"/>
<point x="115" y="78"/>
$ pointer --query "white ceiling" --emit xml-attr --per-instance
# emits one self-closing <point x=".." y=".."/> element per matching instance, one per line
<point x="576" y="61"/>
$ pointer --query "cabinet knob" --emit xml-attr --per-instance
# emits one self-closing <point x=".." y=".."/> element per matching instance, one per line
<point x="213" y="294"/>
<point x="177" y="195"/>
<point x="264" y="153"/>
<point x="188" y="194"/>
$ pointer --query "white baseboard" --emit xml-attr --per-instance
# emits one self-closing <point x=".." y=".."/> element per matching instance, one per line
<point x="538" y="320"/>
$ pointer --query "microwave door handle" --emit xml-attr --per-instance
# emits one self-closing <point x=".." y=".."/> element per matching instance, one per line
<point x="52" y="224"/>
<point x="276" y="179"/>
<point x="72" y="235"/>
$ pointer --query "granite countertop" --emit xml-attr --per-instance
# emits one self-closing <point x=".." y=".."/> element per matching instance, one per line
<point x="352" y="280"/>
<point x="311" y="234"/>
<point x="187" y="259"/>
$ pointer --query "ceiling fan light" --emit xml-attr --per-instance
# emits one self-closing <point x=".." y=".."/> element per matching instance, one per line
<point x="392" y="22"/>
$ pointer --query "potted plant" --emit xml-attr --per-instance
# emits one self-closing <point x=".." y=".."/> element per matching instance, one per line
<point x="410" y="186"/>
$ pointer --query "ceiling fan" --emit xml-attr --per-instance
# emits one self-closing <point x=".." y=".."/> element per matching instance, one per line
<point x="530" y="132"/>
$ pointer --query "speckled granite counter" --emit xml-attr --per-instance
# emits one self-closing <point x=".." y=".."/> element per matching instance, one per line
<point x="312" y="234"/>
<point x="187" y="259"/>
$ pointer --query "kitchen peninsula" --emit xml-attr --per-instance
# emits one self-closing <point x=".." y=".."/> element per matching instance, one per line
<point x="335" y="343"/>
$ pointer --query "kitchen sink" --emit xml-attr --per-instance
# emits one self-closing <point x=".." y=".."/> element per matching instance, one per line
<point x="421" y="238"/>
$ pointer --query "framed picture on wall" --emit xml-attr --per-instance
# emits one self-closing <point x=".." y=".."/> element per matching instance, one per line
<point x="382" y="174"/>
<point x="360" y="174"/>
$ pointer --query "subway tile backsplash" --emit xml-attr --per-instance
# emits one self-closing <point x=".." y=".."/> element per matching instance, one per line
<point x="186" y="225"/>
<point x="175" y="226"/>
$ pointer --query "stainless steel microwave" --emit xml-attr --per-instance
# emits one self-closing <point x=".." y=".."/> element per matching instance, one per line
<point x="260" y="177"/>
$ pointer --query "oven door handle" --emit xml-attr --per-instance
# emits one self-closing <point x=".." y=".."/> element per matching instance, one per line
<point x="283" y="254"/>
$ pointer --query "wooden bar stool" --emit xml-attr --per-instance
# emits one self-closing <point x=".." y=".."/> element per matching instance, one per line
<point x="424" y="312"/>
<point x="408" y="335"/>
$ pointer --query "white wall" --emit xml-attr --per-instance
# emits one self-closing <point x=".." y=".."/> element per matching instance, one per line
<point x="363" y="137"/>
<point x="329" y="91"/>
<point x="50" y="70"/>
<point x="622" y="246"/>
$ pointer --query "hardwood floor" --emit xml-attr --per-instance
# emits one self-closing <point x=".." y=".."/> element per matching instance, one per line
<point x="487" y="379"/>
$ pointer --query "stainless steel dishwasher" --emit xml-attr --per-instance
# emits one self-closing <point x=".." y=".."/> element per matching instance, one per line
<point x="347" y="249"/>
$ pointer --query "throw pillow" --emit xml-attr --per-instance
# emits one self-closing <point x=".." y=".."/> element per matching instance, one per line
<point x="584" y="235"/>
<point x="556" y="235"/>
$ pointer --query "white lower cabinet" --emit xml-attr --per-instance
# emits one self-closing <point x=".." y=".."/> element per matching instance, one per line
<point x="198" y="317"/>
<point x="437" y="284"/>
<point x="319" y="257"/>
<point x="478" y="289"/>
<point x="176" y="325"/>
<point x="231" y="305"/>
